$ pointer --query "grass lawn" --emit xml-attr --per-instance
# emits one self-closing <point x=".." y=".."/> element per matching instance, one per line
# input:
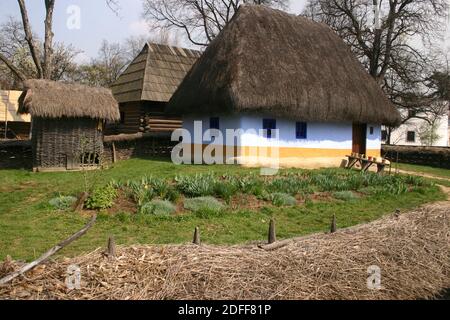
<point x="438" y="172"/>
<point x="29" y="225"/>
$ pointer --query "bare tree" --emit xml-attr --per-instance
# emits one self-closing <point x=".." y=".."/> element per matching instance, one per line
<point x="200" y="20"/>
<point x="102" y="71"/>
<point x="43" y="63"/>
<point x="393" y="40"/>
<point x="14" y="47"/>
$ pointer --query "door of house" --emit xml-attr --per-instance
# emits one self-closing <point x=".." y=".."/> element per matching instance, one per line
<point x="359" y="138"/>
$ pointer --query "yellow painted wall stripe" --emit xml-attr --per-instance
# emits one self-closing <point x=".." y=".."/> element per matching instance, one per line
<point x="284" y="152"/>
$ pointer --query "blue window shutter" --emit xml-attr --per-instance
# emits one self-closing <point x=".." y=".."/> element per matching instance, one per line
<point x="269" y="125"/>
<point x="301" y="130"/>
<point x="214" y="123"/>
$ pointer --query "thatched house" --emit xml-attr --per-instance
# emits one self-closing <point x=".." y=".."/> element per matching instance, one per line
<point x="146" y="86"/>
<point x="67" y="123"/>
<point x="268" y="70"/>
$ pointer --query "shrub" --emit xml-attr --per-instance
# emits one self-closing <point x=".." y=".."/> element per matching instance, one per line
<point x="160" y="187"/>
<point x="158" y="208"/>
<point x="102" y="198"/>
<point x="141" y="192"/>
<point x="208" y="205"/>
<point x="283" y="199"/>
<point x="172" y="195"/>
<point x="196" y="186"/>
<point x="62" y="202"/>
<point x="225" y="190"/>
<point x="344" y="195"/>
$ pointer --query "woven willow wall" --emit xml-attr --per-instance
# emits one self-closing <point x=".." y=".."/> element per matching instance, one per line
<point x="60" y="143"/>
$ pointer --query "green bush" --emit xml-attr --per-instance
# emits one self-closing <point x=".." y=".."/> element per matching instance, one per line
<point x="172" y="195"/>
<point x="283" y="199"/>
<point x="196" y="186"/>
<point x="101" y="198"/>
<point x="158" y="208"/>
<point x="206" y="205"/>
<point x="141" y="192"/>
<point x="62" y="202"/>
<point x="344" y="195"/>
<point x="225" y="190"/>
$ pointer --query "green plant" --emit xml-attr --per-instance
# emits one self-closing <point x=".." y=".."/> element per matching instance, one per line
<point x="62" y="202"/>
<point x="101" y="198"/>
<point x="225" y="190"/>
<point x="172" y="195"/>
<point x="141" y="192"/>
<point x="196" y="186"/>
<point x="160" y="186"/>
<point x="344" y="195"/>
<point x="207" y="205"/>
<point x="283" y="199"/>
<point x="158" y="207"/>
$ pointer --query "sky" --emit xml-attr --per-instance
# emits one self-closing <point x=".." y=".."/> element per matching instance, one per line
<point x="97" y="22"/>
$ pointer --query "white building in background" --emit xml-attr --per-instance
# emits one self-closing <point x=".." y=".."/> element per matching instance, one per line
<point x="419" y="132"/>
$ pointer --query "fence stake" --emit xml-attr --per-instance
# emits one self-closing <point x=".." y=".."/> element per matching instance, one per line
<point x="333" y="224"/>
<point x="111" y="247"/>
<point x="272" y="232"/>
<point x="197" y="236"/>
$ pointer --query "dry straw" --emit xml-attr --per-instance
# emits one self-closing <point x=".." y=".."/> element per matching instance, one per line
<point x="50" y="99"/>
<point x="412" y="251"/>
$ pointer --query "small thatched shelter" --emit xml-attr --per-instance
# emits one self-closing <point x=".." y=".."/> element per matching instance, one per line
<point x="67" y="123"/>
<point x="146" y="86"/>
<point x="267" y="70"/>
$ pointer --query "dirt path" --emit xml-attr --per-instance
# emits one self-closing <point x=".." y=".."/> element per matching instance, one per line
<point x="425" y="175"/>
<point x="445" y="189"/>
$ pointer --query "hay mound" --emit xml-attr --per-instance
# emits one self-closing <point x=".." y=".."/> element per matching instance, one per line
<point x="412" y="251"/>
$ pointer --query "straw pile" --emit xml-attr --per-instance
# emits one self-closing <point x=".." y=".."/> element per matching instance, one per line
<point x="412" y="251"/>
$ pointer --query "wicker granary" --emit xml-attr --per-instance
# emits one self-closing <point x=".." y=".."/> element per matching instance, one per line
<point x="146" y="86"/>
<point x="67" y="123"/>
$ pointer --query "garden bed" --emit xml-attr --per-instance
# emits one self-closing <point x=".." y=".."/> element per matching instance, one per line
<point x="210" y="195"/>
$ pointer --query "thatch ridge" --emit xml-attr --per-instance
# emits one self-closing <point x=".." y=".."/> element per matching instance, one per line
<point x="270" y="62"/>
<point x="51" y="99"/>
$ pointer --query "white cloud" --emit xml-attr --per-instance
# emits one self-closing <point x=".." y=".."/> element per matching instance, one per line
<point x="139" y="27"/>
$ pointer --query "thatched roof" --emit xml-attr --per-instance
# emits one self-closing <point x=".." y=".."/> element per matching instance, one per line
<point x="50" y="99"/>
<point x="270" y="62"/>
<point x="154" y="74"/>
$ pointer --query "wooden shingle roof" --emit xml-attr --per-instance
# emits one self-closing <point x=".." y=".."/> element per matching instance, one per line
<point x="154" y="74"/>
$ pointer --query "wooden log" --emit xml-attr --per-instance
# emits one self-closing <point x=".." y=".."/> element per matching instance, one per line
<point x="272" y="233"/>
<point x="49" y="253"/>
<point x="196" y="236"/>
<point x="79" y="204"/>
<point x="333" y="227"/>
<point x="114" y="155"/>
<point x="111" y="249"/>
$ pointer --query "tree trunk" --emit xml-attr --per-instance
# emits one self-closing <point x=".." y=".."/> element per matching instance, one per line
<point x="48" y="42"/>
<point x="29" y="37"/>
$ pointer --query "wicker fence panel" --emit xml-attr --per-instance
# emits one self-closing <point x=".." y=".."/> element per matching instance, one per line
<point x="55" y="142"/>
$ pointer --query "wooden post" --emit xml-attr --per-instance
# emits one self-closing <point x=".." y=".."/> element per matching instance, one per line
<point x="333" y="224"/>
<point x="114" y="155"/>
<point x="272" y="232"/>
<point x="79" y="204"/>
<point x="197" y="236"/>
<point x="111" y="247"/>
